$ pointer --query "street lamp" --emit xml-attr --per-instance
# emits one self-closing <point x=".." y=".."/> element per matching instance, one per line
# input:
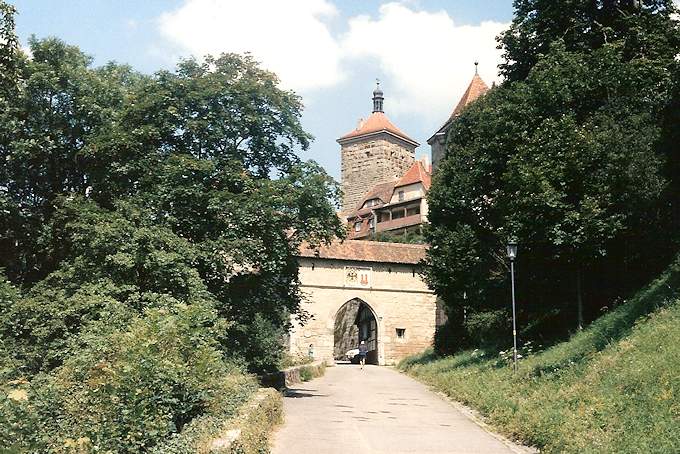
<point x="512" y="255"/>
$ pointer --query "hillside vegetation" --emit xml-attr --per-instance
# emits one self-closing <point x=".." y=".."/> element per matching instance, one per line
<point x="612" y="388"/>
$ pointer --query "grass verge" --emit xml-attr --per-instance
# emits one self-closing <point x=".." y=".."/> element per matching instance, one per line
<point x="612" y="388"/>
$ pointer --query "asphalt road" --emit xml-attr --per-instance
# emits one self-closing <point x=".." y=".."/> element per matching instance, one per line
<point x="376" y="410"/>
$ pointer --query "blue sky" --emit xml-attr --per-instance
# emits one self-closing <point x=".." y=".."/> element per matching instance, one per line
<point x="329" y="51"/>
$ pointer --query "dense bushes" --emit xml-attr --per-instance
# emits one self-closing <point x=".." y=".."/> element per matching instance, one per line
<point x="127" y="389"/>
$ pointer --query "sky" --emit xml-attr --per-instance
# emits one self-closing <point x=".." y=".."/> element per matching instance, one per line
<point x="330" y="52"/>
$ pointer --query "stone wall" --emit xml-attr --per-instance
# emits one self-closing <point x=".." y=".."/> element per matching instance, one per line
<point x="367" y="161"/>
<point x="438" y="150"/>
<point x="345" y="332"/>
<point x="397" y="295"/>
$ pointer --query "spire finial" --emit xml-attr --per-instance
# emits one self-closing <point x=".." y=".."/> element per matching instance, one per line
<point x="377" y="97"/>
<point x="476" y="67"/>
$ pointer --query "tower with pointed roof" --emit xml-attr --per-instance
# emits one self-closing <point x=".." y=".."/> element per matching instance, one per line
<point x="373" y="153"/>
<point x="437" y="142"/>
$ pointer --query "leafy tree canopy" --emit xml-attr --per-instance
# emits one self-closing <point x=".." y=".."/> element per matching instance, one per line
<point x="643" y="28"/>
<point x="566" y="157"/>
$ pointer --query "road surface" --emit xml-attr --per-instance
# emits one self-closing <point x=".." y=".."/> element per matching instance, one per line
<point x="376" y="410"/>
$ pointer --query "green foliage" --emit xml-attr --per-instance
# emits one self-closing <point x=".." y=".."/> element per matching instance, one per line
<point x="310" y="372"/>
<point x="149" y="229"/>
<point x="645" y="28"/>
<point x="612" y="388"/>
<point x="487" y="327"/>
<point x="289" y="360"/>
<point x="568" y="160"/>
<point x="128" y="389"/>
<point x="410" y="237"/>
<point x="255" y="422"/>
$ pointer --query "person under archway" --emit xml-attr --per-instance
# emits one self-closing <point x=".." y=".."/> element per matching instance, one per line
<point x="363" y="351"/>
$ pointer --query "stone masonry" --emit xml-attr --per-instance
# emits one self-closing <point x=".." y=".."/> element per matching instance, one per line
<point x="395" y="292"/>
<point x="370" y="160"/>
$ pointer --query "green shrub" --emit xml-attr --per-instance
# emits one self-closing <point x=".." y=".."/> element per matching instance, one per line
<point x="487" y="327"/>
<point x="289" y="360"/>
<point x="312" y="371"/>
<point x="130" y="389"/>
<point x="255" y="421"/>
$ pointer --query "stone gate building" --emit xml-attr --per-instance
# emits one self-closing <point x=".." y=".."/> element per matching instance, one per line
<point x="400" y="311"/>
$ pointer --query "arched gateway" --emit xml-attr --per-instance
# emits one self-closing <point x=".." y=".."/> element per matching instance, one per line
<point x="393" y="308"/>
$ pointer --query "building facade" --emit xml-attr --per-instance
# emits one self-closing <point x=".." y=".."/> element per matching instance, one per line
<point x="373" y="153"/>
<point x="395" y="207"/>
<point x="364" y="290"/>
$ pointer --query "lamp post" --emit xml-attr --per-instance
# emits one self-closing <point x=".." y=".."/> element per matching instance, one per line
<point x="512" y="255"/>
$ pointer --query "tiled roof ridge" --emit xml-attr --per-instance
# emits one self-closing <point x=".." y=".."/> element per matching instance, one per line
<point x="377" y="122"/>
<point x="410" y="177"/>
<point x="367" y="251"/>
<point x="476" y="88"/>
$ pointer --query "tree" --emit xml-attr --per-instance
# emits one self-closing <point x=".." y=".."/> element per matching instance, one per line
<point x="566" y="161"/>
<point x="645" y="29"/>
<point x="205" y="154"/>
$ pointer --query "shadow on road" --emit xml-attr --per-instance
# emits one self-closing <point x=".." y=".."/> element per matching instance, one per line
<point x="298" y="393"/>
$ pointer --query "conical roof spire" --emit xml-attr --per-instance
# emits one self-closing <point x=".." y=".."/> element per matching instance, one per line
<point x="378" y="97"/>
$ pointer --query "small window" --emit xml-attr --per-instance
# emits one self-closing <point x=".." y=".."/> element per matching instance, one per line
<point x="401" y="333"/>
<point x="357" y="226"/>
<point x="401" y="196"/>
<point x="383" y="216"/>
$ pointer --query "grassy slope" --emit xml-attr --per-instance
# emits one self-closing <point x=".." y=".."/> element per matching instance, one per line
<point x="613" y="388"/>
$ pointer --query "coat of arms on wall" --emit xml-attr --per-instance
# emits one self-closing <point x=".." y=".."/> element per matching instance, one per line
<point x="358" y="277"/>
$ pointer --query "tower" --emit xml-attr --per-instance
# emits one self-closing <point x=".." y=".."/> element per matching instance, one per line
<point x="375" y="152"/>
<point x="437" y="142"/>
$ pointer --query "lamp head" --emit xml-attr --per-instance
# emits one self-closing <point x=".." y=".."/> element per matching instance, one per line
<point x="512" y="249"/>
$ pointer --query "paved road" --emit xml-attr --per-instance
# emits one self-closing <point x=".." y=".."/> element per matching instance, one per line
<point x="376" y="410"/>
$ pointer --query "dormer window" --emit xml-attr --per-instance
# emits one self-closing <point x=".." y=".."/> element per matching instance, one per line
<point x="371" y="203"/>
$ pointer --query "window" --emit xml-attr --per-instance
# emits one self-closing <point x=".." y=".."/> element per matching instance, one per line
<point x="383" y="216"/>
<point x="357" y="226"/>
<point x="401" y="333"/>
<point x="371" y="223"/>
<point x="401" y="196"/>
<point x="411" y="211"/>
<point x="371" y="203"/>
<point x="398" y="214"/>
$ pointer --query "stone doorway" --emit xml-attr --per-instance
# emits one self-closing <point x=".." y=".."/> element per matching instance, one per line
<point x="354" y="322"/>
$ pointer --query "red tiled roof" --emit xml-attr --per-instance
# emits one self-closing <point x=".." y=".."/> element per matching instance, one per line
<point x="382" y="191"/>
<point x="368" y="251"/>
<point x="375" y="123"/>
<point x="416" y="174"/>
<point x="476" y="89"/>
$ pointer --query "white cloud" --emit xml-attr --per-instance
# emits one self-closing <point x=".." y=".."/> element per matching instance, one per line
<point x="290" y="38"/>
<point x="427" y="58"/>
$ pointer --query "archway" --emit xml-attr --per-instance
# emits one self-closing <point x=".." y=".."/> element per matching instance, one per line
<point x="354" y="322"/>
